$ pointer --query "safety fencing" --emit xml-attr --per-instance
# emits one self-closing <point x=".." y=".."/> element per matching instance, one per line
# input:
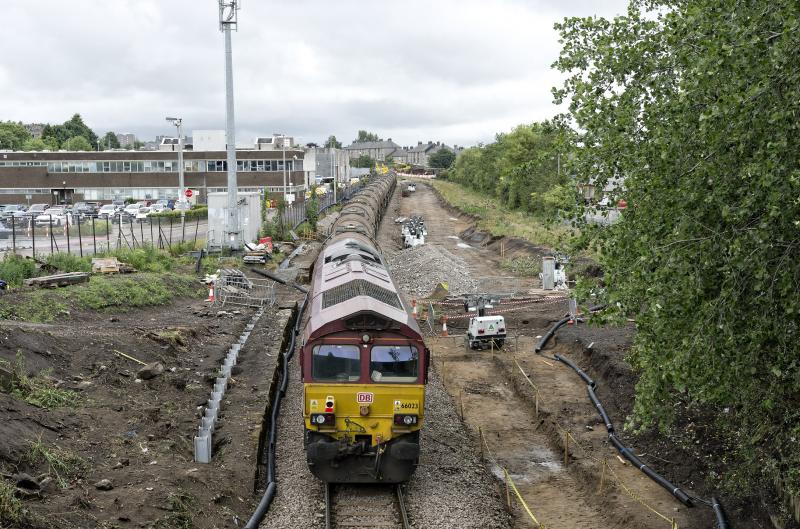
<point x="297" y="213"/>
<point x="234" y="288"/>
<point x="77" y="235"/>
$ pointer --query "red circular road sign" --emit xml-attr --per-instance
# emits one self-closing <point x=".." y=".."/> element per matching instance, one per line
<point x="188" y="193"/>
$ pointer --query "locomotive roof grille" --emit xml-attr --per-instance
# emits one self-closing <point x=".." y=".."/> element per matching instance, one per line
<point x="359" y="287"/>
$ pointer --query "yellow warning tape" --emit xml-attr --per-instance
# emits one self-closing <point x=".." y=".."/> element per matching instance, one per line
<point x="519" y="497"/>
<point x="617" y="479"/>
<point x="636" y="497"/>
<point x="510" y="482"/>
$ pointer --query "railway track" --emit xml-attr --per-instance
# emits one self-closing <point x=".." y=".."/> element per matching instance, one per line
<point x="365" y="506"/>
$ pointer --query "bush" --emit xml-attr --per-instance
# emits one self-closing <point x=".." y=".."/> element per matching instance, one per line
<point x="15" y="269"/>
<point x="141" y="291"/>
<point x="197" y="212"/>
<point x="65" y="262"/>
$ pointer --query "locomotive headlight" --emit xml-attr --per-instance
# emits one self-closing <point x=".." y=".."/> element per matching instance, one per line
<point x="320" y="419"/>
<point x="366" y="338"/>
<point x="409" y="420"/>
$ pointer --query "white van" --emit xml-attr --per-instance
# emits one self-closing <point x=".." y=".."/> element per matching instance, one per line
<point x="485" y="329"/>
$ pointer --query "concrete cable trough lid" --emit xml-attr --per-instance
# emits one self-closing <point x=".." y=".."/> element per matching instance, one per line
<point x="203" y="441"/>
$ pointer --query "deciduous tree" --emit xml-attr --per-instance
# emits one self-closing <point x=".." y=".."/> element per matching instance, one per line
<point x="695" y="105"/>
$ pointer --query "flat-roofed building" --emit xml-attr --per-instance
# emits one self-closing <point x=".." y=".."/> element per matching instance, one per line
<point x="56" y="177"/>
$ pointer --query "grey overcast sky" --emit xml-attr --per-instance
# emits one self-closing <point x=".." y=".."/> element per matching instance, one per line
<point x="451" y="70"/>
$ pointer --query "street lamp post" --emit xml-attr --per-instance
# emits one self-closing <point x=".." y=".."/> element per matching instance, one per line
<point x="283" y="149"/>
<point x="178" y="122"/>
<point x="228" y="21"/>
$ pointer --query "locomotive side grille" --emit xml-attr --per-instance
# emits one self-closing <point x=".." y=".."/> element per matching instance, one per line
<point x="359" y="287"/>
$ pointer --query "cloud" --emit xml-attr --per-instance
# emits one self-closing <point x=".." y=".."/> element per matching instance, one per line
<point x="457" y="71"/>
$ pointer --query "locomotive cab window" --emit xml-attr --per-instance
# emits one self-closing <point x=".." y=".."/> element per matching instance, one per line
<point x="340" y="363"/>
<point x="394" y="363"/>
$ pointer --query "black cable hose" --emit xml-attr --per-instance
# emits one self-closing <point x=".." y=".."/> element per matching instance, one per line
<point x="626" y="452"/>
<point x="549" y="334"/>
<point x="600" y="409"/>
<point x="280" y="391"/>
<point x="581" y="373"/>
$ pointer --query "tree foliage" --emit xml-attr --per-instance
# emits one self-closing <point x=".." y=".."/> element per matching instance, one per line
<point x="333" y="142"/>
<point x="442" y="159"/>
<point x="13" y="135"/>
<point x="77" y="143"/>
<point x="364" y="136"/>
<point x="312" y="207"/>
<point x="69" y="129"/>
<point x="695" y="104"/>
<point x="519" y="168"/>
<point x="109" y="141"/>
<point x="363" y="161"/>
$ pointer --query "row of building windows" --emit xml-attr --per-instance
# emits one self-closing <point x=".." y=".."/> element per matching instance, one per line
<point x="139" y="193"/>
<point x="159" y="166"/>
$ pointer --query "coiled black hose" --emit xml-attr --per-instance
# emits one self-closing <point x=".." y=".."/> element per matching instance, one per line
<point x="626" y="452"/>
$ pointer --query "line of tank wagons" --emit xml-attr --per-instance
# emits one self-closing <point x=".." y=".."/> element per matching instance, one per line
<point x="364" y="363"/>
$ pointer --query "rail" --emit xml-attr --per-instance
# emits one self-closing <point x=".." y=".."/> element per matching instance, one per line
<point x="365" y="506"/>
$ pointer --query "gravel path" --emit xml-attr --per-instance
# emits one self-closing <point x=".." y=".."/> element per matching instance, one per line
<point x="451" y="487"/>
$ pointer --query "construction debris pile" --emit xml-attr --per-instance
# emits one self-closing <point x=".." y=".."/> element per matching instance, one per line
<point x="413" y="232"/>
<point x="417" y="271"/>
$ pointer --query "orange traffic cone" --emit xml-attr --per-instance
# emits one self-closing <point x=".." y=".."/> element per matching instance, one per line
<point x="444" y="326"/>
<point x="211" y="297"/>
<point x="414" y="308"/>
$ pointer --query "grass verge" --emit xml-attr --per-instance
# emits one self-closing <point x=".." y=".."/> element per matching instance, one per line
<point x="101" y="292"/>
<point x="498" y="220"/>
<point x="39" y="390"/>
<point x="62" y="465"/>
<point x="10" y="505"/>
<point x="180" y="515"/>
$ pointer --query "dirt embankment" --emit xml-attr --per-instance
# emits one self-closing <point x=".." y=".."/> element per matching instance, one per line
<point x="120" y="453"/>
<point x="687" y="455"/>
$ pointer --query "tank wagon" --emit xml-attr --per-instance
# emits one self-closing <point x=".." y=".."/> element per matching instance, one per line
<point x="364" y="363"/>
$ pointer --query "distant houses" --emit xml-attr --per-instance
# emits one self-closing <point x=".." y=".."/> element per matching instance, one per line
<point x="383" y="150"/>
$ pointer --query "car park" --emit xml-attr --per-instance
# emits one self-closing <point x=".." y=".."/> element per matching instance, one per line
<point x="132" y="209"/>
<point x="107" y="211"/>
<point x="85" y="209"/>
<point x="142" y="214"/>
<point x="5" y="231"/>
<point x="8" y="210"/>
<point x="55" y="216"/>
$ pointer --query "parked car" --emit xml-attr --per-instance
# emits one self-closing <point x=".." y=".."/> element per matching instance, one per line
<point x="86" y="209"/>
<point x="23" y="216"/>
<point x="55" y="216"/>
<point x="8" y="210"/>
<point x="132" y="209"/>
<point x="142" y="214"/>
<point x="108" y="211"/>
<point x="5" y="231"/>
<point x="158" y="208"/>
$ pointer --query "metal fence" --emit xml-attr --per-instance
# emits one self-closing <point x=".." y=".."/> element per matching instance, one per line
<point x="296" y="214"/>
<point x="234" y="288"/>
<point x="25" y="234"/>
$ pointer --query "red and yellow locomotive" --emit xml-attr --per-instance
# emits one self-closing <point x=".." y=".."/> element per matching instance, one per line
<point x="364" y="361"/>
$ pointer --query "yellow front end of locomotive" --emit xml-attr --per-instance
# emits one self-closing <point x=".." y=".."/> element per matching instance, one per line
<point x="351" y="412"/>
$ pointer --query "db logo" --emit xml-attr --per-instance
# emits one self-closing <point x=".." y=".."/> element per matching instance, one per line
<point x="364" y="398"/>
